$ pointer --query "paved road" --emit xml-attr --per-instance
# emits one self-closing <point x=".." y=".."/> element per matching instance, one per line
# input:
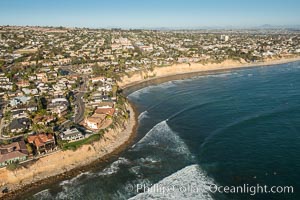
<point x="79" y="115"/>
<point x="2" y="122"/>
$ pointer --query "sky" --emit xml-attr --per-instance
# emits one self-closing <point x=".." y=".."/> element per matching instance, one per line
<point x="150" y="13"/>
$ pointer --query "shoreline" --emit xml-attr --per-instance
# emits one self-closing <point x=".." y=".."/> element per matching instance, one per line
<point x="186" y="71"/>
<point x="113" y="150"/>
<point x="114" y="142"/>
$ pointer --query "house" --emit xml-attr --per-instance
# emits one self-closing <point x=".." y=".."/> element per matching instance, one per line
<point x="58" y="100"/>
<point x="32" y="77"/>
<point x="99" y="104"/>
<point x="30" y="91"/>
<point x="5" y="83"/>
<point x="19" y="125"/>
<point x="43" y="143"/>
<point x="183" y="59"/>
<point x="71" y="135"/>
<point x="106" y="111"/>
<point x="6" y="86"/>
<point x="42" y="76"/>
<point x="146" y="48"/>
<point x="95" y="121"/>
<point x="58" y="108"/>
<point x="19" y="113"/>
<point x="19" y="100"/>
<point x="105" y="105"/>
<point x="60" y="86"/>
<point x="14" y="152"/>
<point x="44" y="119"/>
<point x="105" y="88"/>
<point x="23" y="83"/>
<point x="100" y="97"/>
<point x="31" y="106"/>
<point x="43" y="88"/>
<point x="97" y="79"/>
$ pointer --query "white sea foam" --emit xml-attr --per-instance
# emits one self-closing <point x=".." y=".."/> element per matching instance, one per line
<point x="137" y="94"/>
<point x="75" y="179"/>
<point x="72" y="189"/>
<point x="43" y="195"/>
<point x="114" y="167"/>
<point x="167" y="84"/>
<point x="70" y="192"/>
<point x="73" y="185"/>
<point x="162" y="134"/>
<point x="143" y="115"/>
<point x="149" y="161"/>
<point x="135" y="170"/>
<point x="189" y="183"/>
<point x="220" y="75"/>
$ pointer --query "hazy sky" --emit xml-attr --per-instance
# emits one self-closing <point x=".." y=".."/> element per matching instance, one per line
<point x="149" y="13"/>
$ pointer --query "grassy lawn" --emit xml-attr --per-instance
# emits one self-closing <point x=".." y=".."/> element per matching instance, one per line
<point x="77" y="144"/>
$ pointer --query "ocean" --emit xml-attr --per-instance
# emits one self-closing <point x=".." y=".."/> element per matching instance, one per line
<point x="237" y="129"/>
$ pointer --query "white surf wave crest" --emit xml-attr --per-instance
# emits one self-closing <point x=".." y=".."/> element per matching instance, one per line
<point x="114" y="167"/>
<point x="189" y="183"/>
<point x="143" y="115"/>
<point x="137" y="94"/>
<point x="43" y="195"/>
<point x="162" y="135"/>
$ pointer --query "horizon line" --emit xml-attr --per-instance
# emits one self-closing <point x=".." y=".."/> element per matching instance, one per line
<point x="227" y="27"/>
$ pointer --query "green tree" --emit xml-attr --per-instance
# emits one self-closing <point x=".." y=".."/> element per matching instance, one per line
<point x="14" y="87"/>
<point x="29" y="148"/>
<point x="13" y="166"/>
<point x="7" y="115"/>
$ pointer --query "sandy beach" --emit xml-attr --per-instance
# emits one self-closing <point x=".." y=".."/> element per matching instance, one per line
<point x="63" y="162"/>
<point x="184" y="68"/>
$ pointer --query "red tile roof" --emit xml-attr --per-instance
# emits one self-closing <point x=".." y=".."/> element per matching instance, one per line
<point x="40" y="139"/>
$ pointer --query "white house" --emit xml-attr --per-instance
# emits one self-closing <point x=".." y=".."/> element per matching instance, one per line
<point x="71" y="135"/>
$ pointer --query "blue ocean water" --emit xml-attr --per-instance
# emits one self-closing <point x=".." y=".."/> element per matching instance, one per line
<point x="229" y="129"/>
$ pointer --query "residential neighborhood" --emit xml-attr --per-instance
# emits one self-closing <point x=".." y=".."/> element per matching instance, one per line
<point x="58" y="86"/>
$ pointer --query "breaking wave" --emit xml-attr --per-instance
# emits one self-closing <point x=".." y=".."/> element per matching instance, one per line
<point x="75" y="179"/>
<point x="114" y="167"/>
<point x="190" y="183"/>
<point x="162" y="136"/>
<point x="43" y="195"/>
<point x="143" y="115"/>
<point x="72" y="189"/>
<point x="137" y="94"/>
<point x="222" y="75"/>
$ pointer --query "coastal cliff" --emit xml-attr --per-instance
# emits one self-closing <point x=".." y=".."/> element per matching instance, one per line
<point x="62" y="162"/>
<point x="184" y="68"/>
